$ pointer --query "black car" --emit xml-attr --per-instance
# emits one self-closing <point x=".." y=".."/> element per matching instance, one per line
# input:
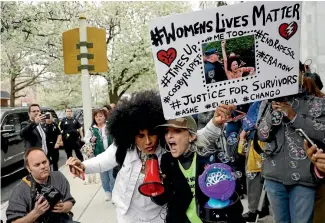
<point x="12" y="145"/>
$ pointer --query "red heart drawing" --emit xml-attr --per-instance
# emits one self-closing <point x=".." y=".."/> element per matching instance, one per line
<point x="288" y="30"/>
<point x="167" y="57"/>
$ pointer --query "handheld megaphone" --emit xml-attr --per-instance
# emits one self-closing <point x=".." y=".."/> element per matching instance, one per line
<point x="152" y="185"/>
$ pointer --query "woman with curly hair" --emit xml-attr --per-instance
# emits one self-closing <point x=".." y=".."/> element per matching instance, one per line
<point x="132" y="126"/>
<point x="232" y="65"/>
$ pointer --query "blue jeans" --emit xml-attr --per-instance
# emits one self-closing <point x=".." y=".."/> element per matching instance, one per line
<point x="108" y="180"/>
<point x="290" y="204"/>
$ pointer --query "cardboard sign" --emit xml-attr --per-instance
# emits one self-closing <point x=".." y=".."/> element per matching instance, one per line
<point x="232" y="54"/>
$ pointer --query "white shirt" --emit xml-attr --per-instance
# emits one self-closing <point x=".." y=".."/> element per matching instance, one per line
<point x="102" y="132"/>
<point x="43" y="136"/>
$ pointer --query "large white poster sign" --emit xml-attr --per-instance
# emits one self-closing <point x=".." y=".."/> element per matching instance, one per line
<point x="233" y="54"/>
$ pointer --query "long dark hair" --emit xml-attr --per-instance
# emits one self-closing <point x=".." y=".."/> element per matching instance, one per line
<point x="141" y="111"/>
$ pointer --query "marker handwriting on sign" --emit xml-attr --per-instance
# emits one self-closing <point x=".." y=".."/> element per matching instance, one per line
<point x="275" y="44"/>
<point x="192" y="99"/>
<point x="289" y="80"/>
<point x="167" y="35"/>
<point x="270" y="60"/>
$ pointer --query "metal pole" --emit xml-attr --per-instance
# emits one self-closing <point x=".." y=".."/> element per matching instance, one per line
<point x="85" y="80"/>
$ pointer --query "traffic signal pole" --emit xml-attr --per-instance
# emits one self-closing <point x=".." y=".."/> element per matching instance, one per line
<point x="85" y="79"/>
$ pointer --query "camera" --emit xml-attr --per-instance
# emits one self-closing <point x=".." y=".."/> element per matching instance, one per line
<point x="47" y="116"/>
<point x="280" y="99"/>
<point x="51" y="194"/>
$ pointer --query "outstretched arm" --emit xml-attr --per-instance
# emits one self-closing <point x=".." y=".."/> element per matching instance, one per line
<point x="225" y="60"/>
<point x="250" y="70"/>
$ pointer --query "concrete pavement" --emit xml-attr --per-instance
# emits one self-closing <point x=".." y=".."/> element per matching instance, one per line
<point x="91" y="206"/>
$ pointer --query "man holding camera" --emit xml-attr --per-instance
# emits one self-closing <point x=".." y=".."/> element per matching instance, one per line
<point x="42" y="196"/>
<point x="32" y="131"/>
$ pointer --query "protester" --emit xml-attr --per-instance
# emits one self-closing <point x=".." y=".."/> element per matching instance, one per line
<point x="252" y="148"/>
<point x="232" y="65"/>
<point x="317" y="156"/>
<point x="285" y="168"/>
<point x="71" y="131"/>
<point x="186" y="160"/>
<point x="132" y="126"/>
<point x="32" y="132"/>
<point x="98" y="135"/>
<point x="53" y="140"/>
<point x="27" y="203"/>
<point x="107" y="108"/>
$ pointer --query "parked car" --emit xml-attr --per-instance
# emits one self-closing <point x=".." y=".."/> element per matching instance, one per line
<point x="12" y="145"/>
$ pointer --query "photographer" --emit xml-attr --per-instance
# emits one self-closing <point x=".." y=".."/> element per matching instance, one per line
<point x="42" y="196"/>
<point x="32" y="131"/>
<point x="53" y="140"/>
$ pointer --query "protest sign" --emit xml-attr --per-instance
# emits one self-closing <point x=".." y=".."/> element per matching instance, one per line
<point x="232" y="54"/>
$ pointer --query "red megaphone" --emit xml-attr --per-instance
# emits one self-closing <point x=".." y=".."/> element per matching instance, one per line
<point x="152" y="185"/>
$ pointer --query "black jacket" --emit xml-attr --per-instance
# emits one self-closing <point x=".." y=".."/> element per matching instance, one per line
<point x="31" y="135"/>
<point x="178" y="195"/>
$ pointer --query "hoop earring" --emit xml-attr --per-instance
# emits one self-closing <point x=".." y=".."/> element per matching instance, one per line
<point x="167" y="150"/>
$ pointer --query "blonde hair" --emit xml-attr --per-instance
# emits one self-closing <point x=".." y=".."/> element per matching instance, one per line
<point x="200" y="145"/>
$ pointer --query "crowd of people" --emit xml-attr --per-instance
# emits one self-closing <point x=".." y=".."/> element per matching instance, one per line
<point x="274" y="146"/>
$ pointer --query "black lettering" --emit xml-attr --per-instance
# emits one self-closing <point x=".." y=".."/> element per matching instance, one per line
<point x="288" y="12"/>
<point x="269" y="17"/>
<point x="188" y="29"/>
<point x="296" y="10"/>
<point x="197" y="28"/>
<point x="275" y="13"/>
<point x="256" y="86"/>
<point x="237" y="23"/>
<point x="190" y="50"/>
<point x="257" y="14"/>
<point x="283" y="11"/>
<point x="209" y="26"/>
<point x="245" y="20"/>
<point x="222" y="93"/>
<point x="170" y="36"/>
<point x="219" y="29"/>
<point x="183" y="57"/>
<point x="179" y="32"/>
<point x="187" y="97"/>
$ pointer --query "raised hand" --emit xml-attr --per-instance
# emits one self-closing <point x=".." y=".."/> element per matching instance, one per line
<point x="222" y="114"/>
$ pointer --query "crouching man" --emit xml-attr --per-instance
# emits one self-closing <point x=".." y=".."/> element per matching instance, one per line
<point x="42" y="196"/>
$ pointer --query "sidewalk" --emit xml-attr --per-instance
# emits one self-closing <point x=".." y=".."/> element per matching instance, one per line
<point x="91" y="206"/>
<point x="90" y="201"/>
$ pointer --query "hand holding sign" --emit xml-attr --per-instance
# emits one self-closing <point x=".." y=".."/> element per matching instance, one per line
<point x="222" y="114"/>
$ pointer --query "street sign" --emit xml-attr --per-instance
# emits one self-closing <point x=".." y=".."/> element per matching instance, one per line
<point x="97" y="51"/>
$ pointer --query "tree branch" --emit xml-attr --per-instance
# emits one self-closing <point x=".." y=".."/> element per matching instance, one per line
<point x="20" y="96"/>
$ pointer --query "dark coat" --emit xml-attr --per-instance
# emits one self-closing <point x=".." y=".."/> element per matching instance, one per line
<point x="178" y="195"/>
<point x="31" y="135"/>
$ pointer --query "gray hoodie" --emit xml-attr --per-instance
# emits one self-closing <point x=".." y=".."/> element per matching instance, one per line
<point x="285" y="160"/>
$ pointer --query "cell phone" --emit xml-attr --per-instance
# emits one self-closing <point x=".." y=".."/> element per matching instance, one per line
<point x="47" y="116"/>
<point x="304" y="135"/>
